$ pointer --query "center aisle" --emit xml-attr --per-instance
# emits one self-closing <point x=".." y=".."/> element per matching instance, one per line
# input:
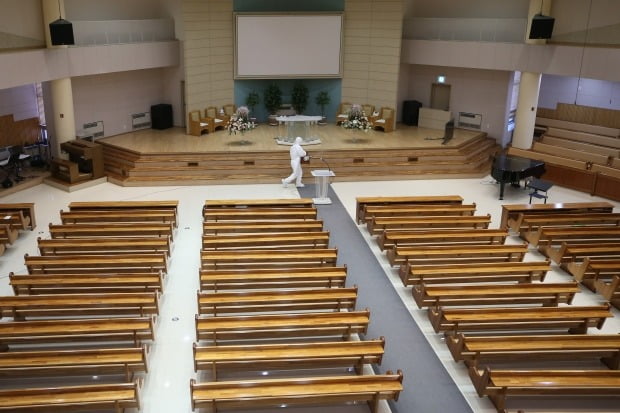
<point x="427" y="387"/>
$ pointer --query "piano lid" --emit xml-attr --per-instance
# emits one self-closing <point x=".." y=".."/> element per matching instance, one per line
<point x="515" y="163"/>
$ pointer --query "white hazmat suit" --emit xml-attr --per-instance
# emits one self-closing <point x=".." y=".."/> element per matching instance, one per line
<point x="297" y="152"/>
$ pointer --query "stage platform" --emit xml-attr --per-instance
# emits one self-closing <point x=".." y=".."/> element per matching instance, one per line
<point x="171" y="157"/>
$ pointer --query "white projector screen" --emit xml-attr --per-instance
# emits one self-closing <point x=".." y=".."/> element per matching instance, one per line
<point x="288" y="45"/>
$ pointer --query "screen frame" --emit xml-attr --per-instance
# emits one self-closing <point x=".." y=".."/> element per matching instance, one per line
<point x="337" y="75"/>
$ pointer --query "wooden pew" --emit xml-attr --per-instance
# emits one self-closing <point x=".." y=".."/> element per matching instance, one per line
<point x="476" y="351"/>
<point x="16" y="219"/>
<point x="445" y="254"/>
<point x="363" y="202"/>
<point x="133" y="330"/>
<point x="547" y="238"/>
<point x="104" y="245"/>
<point x="578" y="127"/>
<point x="609" y="290"/>
<point x="593" y="138"/>
<point x="171" y="205"/>
<point x="378" y="225"/>
<point x="268" y="258"/>
<point x="8" y="234"/>
<point x="317" y="277"/>
<point x="252" y="394"/>
<point x="281" y="326"/>
<point x="24" y="307"/>
<point x="111" y="230"/>
<point x="510" y="212"/>
<point x="572" y="319"/>
<point x="312" y="239"/>
<point x="247" y="203"/>
<point x="273" y="301"/>
<point x="530" y="224"/>
<point x="591" y="270"/>
<point x="571" y="153"/>
<point x="110" y="263"/>
<point x="475" y="273"/>
<point x="572" y="255"/>
<point x="85" y="283"/>
<point x="417" y="210"/>
<point x="545" y="294"/>
<point x="224" y="214"/>
<point x="91" y="397"/>
<point x="27" y="209"/>
<point x="289" y="356"/>
<point x="389" y="239"/>
<point x="581" y="146"/>
<point x="607" y="183"/>
<point x="124" y="361"/>
<point x="497" y="385"/>
<point x="259" y="227"/>
<point x="166" y="216"/>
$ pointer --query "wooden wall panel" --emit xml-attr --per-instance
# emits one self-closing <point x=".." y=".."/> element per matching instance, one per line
<point x="21" y="132"/>
<point x="581" y="180"/>
<point x="607" y="187"/>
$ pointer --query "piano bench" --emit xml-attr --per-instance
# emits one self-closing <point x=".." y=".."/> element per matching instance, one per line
<point x="539" y="185"/>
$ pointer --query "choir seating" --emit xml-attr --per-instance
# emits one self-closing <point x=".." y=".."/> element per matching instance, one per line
<point x="385" y="120"/>
<point x="197" y="125"/>
<point x="219" y="120"/>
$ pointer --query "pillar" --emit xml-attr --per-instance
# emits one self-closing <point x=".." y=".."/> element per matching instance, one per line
<point x="61" y="91"/>
<point x="529" y="87"/>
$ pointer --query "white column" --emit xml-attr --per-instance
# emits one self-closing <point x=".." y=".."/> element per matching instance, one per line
<point x="529" y="87"/>
<point x="61" y="90"/>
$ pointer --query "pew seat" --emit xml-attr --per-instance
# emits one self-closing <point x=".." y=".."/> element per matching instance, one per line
<point x="574" y="228"/>
<point x="280" y="278"/>
<point x="8" y="234"/>
<point x="312" y="239"/>
<point x="16" y="219"/>
<point x="545" y="294"/>
<point x="124" y="361"/>
<point x="276" y="301"/>
<point x="253" y="203"/>
<point x="260" y="226"/>
<point x="133" y="330"/>
<point x="572" y="254"/>
<point x="592" y="269"/>
<point x="27" y="209"/>
<point x="363" y="202"/>
<point x="97" y="263"/>
<point x="288" y="356"/>
<point x="572" y="319"/>
<point x="609" y="290"/>
<point x="549" y="240"/>
<point x="281" y="326"/>
<point x="475" y="273"/>
<point x="479" y="350"/>
<point x="268" y="258"/>
<point x="27" y="307"/>
<point x="104" y="245"/>
<point x="510" y="212"/>
<point x="498" y="385"/>
<point x="274" y="393"/>
<point x="233" y="214"/>
<point x="453" y="254"/>
<point x="92" y="397"/>
<point x="373" y="211"/>
<point x="61" y="283"/>
<point x="380" y="224"/>
<point x="167" y="216"/>
<point x="111" y="230"/>
<point x="391" y="238"/>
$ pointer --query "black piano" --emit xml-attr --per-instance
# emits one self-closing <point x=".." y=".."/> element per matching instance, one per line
<point x="512" y="169"/>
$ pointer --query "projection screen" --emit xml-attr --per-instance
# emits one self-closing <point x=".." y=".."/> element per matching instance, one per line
<point x="288" y="45"/>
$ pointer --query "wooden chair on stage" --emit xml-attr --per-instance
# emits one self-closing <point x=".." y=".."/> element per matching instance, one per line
<point x="229" y="109"/>
<point x="385" y="120"/>
<point x="197" y="125"/>
<point x="343" y="112"/>
<point x="219" y="120"/>
<point x="368" y="109"/>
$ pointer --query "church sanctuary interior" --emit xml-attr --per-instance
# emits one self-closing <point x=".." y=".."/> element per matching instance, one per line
<point x="454" y="246"/>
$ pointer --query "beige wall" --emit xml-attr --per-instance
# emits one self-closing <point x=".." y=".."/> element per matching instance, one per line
<point x="372" y="38"/>
<point x="208" y="52"/>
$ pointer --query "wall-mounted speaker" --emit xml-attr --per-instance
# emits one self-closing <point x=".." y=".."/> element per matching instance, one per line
<point x="542" y="27"/>
<point x="61" y="32"/>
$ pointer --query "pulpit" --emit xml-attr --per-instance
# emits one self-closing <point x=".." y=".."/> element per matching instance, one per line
<point x="321" y="179"/>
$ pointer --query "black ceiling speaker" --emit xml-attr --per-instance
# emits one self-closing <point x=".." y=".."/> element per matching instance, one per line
<point x="542" y="27"/>
<point x="61" y="32"/>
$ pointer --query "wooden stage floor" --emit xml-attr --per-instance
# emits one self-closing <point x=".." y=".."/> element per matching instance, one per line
<point x="262" y="139"/>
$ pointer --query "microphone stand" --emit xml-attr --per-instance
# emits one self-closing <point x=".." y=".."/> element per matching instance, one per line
<point x="322" y="160"/>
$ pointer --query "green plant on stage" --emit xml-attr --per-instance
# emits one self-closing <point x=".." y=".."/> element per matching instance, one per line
<point x="273" y="98"/>
<point x="322" y="99"/>
<point x="299" y="97"/>
<point x="251" y="101"/>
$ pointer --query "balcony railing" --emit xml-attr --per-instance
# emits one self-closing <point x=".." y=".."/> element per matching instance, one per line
<point x="102" y="32"/>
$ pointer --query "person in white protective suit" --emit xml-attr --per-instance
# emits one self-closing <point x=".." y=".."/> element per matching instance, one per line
<point x="297" y="153"/>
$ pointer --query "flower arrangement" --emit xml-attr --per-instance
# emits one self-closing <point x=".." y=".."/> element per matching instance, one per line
<point x="240" y="121"/>
<point x="357" y="119"/>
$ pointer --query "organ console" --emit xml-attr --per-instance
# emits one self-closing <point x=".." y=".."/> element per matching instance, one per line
<point x="85" y="161"/>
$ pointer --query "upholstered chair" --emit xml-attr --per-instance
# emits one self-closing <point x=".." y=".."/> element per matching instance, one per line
<point x="385" y="120"/>
<point x="219" y="121"/>
<point x="229" y="109"/>
<point x="198" y="125"/>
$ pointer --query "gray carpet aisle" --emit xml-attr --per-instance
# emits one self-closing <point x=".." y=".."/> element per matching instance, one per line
<point x="428" y="388"/>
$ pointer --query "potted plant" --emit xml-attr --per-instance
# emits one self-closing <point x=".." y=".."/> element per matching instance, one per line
<point x="322" y="99"/>
<point x="251" y="101"/>
<point x="272" y="101"/>
<point x="299" y="97"/>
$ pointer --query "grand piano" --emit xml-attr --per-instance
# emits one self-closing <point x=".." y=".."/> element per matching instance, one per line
<point x="513" y="169"/>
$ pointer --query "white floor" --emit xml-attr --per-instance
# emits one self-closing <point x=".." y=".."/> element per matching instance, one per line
<point x="170" y="369"/>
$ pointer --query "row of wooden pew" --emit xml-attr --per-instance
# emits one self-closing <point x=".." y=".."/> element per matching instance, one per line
<point x="493" y="307"/>
<point x="273" y="297"/>
<point x="15" y="217"/>
<point x="87" y="308"/>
